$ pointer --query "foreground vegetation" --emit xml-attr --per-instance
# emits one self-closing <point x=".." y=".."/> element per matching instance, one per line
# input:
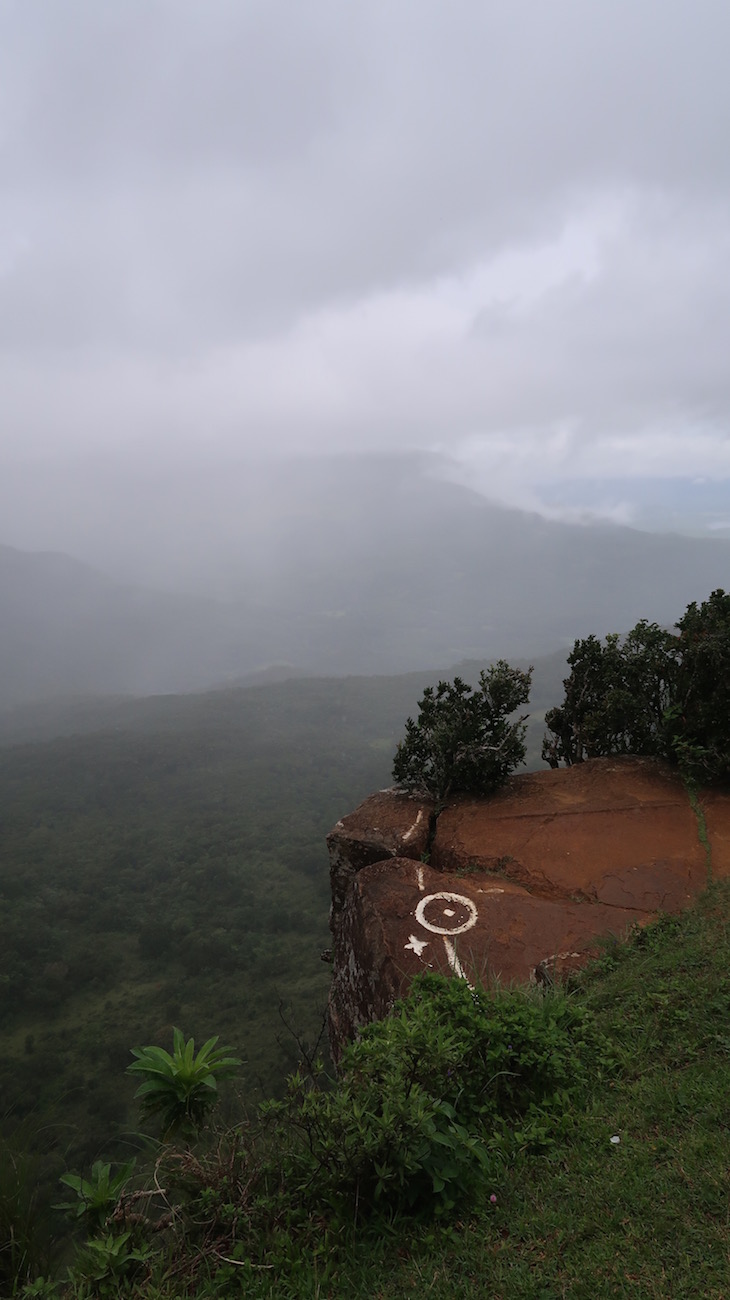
<point x="512" y="1145"/>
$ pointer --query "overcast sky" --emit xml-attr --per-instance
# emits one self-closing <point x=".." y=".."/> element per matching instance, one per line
<point x="495" y="228"/>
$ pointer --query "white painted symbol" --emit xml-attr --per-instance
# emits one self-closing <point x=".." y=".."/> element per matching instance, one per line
<point x="454" y="962"/>
<point x="416" y="945"/>
<point x="454" y="920"/>
<point x="420" y="878"/>
<point x="410" y="833"/>
<point x="434" y="903"/>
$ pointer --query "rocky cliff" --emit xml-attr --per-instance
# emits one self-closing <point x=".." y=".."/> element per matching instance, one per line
<point x="515" y="888"/>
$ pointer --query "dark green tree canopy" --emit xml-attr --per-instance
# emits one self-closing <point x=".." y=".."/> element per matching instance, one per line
<point x="616" y="697"/>
<point x="652" y="693"/>
<point x="465" y="740"/>
<point x="700" y="714"/>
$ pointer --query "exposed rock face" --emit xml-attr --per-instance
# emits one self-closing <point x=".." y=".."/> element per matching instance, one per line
<point x="387" y="825"/>
<point x="517" y="887"/>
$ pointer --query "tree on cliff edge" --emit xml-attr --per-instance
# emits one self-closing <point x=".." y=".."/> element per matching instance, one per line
<point x="700" y="712"/>
<point x="616" y="698"/>
<point x="464" y="741"/>
<point x="651" y="692"/>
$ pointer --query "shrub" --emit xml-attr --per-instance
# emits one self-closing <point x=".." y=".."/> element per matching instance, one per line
<point x="465" y="740"/>
<point x="616" y="697"/>
<point x="651" y="693"/>
<point x="430" y="1100"/>
<point x="701" y="697"/>
<point x="428" y="1107"/>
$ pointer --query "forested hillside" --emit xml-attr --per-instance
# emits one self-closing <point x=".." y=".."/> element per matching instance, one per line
<point x="168" y="868"/>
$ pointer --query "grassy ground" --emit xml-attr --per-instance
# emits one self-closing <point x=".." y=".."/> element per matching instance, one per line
<point x="645" y="1216"/>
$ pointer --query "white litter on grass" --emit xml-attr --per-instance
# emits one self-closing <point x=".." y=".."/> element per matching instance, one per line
<point x="615" y="1139"/>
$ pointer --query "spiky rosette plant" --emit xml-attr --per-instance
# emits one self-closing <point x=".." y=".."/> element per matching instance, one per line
<point x="180" y="1088"/>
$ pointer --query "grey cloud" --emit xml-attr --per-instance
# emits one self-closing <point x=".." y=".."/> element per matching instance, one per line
<point x="189" y="191"/>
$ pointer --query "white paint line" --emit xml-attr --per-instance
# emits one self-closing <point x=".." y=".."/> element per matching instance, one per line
<point x="410" y="833"/>
<point x="420" y="879"/>
<point x="454" y="962"/>
<point x="415" y="944"/>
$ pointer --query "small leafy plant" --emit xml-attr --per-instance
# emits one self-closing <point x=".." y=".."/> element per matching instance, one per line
<point x="182" y="1087"/>
<point x="41" y="1288"/>
<point x="97" y="1196"/>
<point x="107" y="1261"/>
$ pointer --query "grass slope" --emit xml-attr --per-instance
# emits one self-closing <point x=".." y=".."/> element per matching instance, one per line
<point x="645" y="1217"/>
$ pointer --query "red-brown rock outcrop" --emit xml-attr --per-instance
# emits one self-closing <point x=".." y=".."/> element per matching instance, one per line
<point x="387" y="825"/>
<point x="516" y="887"/>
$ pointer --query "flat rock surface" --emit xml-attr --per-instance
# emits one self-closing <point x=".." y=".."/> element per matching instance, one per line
<point x="401" y="917"/>
<point x="616" y="831"/>
<point x="518" y="886"/>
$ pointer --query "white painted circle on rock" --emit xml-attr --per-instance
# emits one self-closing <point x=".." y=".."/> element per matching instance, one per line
<point x="446" y="913"/>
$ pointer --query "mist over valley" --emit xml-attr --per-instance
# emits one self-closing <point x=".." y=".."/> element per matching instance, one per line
<point x="344" y="565"/>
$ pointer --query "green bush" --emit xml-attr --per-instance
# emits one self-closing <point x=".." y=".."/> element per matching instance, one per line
<point x="430" y="1100"/>
<point x="465" y="740"/>
<point x="616" y="697"/>
<point x="701" y="697"/>
<point x="430" y="1106"/>
<point x="106" y="1264"/>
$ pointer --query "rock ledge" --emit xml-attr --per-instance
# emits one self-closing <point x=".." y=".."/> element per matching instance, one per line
<point x="517" y="887"/>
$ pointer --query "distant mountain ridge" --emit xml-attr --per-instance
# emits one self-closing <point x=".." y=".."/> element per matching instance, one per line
<point x="373" y="567"/>
<point x="67" y="629"/>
